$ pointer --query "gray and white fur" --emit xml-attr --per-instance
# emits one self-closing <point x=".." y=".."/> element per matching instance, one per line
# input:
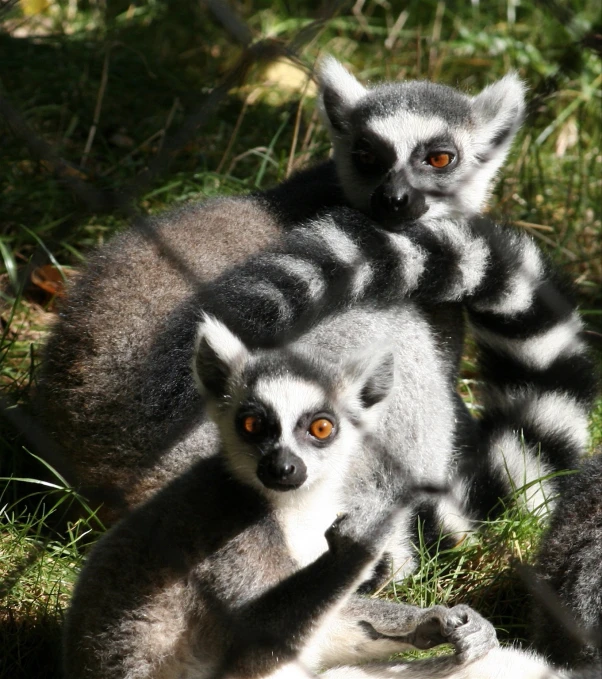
<point x="570" y="565"/>
<point x="117" y="387"/>
<point x="246" y="565"/>
<point x="383" y="138"/>
<point x="498" y="663"/>
<point x="539" y="377"/>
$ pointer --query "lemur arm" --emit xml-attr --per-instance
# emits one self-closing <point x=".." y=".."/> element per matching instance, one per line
<point x="314" y="615"/>
<point x="271" y="630"/>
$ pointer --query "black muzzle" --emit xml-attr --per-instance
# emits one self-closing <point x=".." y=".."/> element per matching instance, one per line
<point x="391" y="205"/>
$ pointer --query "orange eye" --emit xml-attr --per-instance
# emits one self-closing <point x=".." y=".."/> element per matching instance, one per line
<point x="252" y="424"/>
<point x="439" y="159"/>
<point x="321" y="428"/>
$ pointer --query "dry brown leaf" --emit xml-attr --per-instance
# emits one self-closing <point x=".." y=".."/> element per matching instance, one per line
<point x="49" y="279"/>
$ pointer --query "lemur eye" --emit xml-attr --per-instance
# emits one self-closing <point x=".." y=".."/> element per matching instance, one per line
<point x="321" y="428"/>
<point x="366" y="157"/>
<point x="252" y="424"/>
<point x="439" y="159"/>
<point x="365" y="153"/>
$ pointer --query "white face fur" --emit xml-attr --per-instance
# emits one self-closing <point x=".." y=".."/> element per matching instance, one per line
<point x="429" y="146"/>
<point x="287" y="421"/>
<point x="298" y="422"/>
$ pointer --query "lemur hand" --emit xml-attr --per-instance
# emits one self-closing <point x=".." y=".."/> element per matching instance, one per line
<point x="352" y="533"/>
<point x="469" y="632"/>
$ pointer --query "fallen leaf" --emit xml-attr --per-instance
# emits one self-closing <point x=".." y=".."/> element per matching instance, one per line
<point x="49" y="279"/>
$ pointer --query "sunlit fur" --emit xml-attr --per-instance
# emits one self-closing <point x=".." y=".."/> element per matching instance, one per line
<point x="117" y="367"/>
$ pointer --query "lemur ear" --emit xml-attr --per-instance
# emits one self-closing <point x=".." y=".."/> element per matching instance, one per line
<point x="371" y="376"/>
<point x="498" y="111"/>
<point x="218" y="354"/>
<point x="339" y="92"/>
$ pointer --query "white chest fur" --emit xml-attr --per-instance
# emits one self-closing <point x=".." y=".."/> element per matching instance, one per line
<point x="305" y="517"/>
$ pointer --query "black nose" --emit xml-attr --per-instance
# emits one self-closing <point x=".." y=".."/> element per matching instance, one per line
<point x="281" y="469"/>
<point x="396" y="202"/>
<point x="392" y="205"/>
<point x="286" y="470"/>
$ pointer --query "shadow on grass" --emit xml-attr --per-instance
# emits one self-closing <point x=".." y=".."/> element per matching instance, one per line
<point x="30" y="647"/>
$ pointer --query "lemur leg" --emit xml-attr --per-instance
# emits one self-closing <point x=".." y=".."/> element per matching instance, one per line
<point x="499" y="663"/>
<point x="371" y="629"/>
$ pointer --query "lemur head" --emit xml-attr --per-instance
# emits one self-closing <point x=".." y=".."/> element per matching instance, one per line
<point x="286" y="419"/>
<point x="408" y="148"/>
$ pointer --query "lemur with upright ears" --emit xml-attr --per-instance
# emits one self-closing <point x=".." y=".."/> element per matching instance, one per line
<point x="224" y="571"/>
<point x="415" y="161"/>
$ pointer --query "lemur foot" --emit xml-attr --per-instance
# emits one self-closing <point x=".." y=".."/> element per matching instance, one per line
<point x="469" y="632"/>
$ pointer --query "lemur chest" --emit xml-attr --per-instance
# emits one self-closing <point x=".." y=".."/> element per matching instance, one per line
<point x="304" y="524"/>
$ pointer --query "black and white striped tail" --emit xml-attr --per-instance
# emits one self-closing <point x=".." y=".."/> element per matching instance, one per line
<point x="342" y="259"/>
<point x="539" y="379"/>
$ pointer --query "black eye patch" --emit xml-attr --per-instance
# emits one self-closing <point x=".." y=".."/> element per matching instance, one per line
<point x="372" y="155"/>
<point x="256" y="422"/>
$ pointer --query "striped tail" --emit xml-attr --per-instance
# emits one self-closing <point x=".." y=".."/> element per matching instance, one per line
<point x="339" y="260"/>
<point x="540" y="381"/>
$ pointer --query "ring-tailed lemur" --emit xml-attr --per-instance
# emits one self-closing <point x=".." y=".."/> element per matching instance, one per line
<point x="406" y="149"/>
<point x="474" y="262"/>
<point x="117" y="385"/>
<point x="224" y="571"/>
<point x="570" y="563"/>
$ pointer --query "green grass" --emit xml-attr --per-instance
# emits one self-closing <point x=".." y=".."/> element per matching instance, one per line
<point x="38" y="568"/>
<point x="163" y="58"/>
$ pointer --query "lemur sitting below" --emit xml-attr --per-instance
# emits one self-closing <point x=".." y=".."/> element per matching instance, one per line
<point x="226" y="570"/>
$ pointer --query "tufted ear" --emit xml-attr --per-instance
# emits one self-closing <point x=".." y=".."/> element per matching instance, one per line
<point x="498" y="112"/>
<point x="218" y="355"/>
<point x="339" y="92"/>
<point x="370" y="376"/>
